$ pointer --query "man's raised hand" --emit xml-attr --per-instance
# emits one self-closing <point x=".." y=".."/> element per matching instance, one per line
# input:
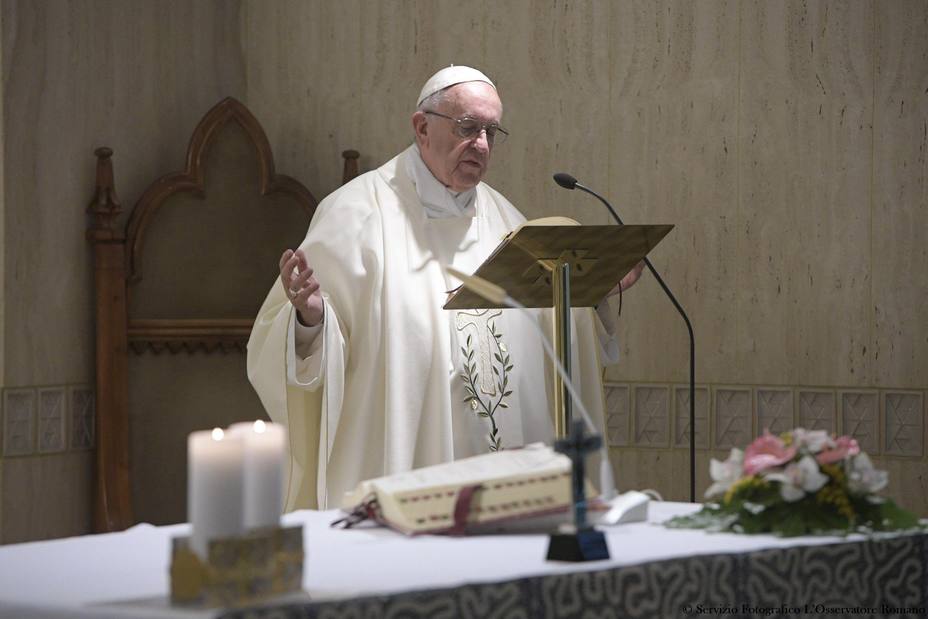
<point x="301" y="287"/>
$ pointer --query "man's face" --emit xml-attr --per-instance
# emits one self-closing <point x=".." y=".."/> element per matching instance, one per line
<point x="458" y="163"/>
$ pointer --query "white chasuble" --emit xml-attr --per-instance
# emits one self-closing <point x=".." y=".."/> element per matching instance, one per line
<point x="398" y="382"/>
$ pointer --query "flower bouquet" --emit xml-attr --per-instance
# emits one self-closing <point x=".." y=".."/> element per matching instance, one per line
<point x="802" y="482"/>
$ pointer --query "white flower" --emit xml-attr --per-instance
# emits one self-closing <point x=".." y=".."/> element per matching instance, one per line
<point x="862" y="478"/>
<point x="813" y="440"/>
<point x="798" y="478"/>
<point x="725" y="474"/>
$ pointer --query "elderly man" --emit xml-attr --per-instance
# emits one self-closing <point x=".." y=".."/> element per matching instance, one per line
<point x="352" y="350"/>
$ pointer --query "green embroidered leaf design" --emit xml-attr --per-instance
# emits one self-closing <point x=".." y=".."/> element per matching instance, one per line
<point x="486" y="409"/>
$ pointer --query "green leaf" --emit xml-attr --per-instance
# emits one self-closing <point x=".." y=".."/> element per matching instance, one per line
<point x="791" y="525"/>
<point x="469" y="336"/>
<point x="482" y="414"/>
<point x="470" y="357"/>
<point x="497" y="357"/>
<point x="891" y="516"/>
<point x="509" y="368"/>
<point x="496" y="370"/>
<point x="504" y="405"/>
<point x="507" y="394"/>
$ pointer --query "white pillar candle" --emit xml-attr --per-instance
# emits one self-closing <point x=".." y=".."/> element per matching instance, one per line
<point x="265" y="459"/>
<point x="215" y="487"/>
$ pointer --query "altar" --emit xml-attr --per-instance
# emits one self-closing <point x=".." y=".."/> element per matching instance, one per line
<point x="375" y="572"/>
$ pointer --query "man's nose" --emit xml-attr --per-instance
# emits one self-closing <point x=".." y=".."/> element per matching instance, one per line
<point x="482" y="141"/>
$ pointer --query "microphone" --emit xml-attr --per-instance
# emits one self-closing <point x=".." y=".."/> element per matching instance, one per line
<point x="569" y="182"/>
<point x="565" y="180"/>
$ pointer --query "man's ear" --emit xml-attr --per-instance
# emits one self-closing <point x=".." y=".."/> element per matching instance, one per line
<point x="420" y="126"/>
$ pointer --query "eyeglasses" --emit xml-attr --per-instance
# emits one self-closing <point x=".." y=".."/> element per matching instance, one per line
<point x="469" y="128"/>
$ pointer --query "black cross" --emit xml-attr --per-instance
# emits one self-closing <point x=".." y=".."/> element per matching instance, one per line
<point x="576" y="446"/>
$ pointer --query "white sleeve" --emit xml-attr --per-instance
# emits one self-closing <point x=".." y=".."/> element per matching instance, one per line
<point x="306" y="353"/>
<point x="307" y="342"/>
<point x="606" y="332"/>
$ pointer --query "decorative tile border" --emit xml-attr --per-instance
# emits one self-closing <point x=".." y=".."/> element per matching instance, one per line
<point x="51" y="422"/>
<point x="732" y="417"/>
<point x="81" y="406"/>
<point x="681" y="424"/>
<point x="617" y="414"/>
<point x="817" y="410"/>
<point x="903" y="423"/>
<point x="886" y="422"/>
<point x="19" y="422"/>
<point x="775" y="409"/>
<point x="859" y="416"/>
<point x="652" y="416"/>
<point x="45" y="420"/>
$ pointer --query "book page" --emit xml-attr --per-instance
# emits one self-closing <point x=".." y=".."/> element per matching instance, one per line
<point x="535" y="458"/>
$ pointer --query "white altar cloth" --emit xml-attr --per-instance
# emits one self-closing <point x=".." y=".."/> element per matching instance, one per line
<point x="126" y="574"/>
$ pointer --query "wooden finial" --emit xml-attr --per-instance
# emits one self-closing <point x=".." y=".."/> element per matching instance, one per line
<point x="351" y="165"/>
<point x="105" y="206"/>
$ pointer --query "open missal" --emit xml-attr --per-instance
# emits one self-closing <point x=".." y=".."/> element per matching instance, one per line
<point x="486" y="492"/>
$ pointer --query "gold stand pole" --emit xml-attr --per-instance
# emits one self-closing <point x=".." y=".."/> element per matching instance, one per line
<point x="560" y="284"/>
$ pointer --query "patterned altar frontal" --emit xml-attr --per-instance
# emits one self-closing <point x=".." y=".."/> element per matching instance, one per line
<point x="878" y="577"/>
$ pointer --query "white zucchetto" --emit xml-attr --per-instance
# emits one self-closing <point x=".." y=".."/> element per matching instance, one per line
<point x="449" y="76"/>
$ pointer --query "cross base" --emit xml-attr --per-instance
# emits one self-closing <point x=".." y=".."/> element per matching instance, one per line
<point x="585" y="545"/>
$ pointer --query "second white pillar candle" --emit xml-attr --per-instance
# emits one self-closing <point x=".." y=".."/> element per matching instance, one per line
<point x="265" y="461"/>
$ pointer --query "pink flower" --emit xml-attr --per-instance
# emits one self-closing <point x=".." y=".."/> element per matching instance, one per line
<point x="765" y="452"/>
<point x="844" y="447"/>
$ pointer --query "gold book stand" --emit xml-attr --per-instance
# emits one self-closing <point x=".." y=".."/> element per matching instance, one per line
<point x="563" y="266"/>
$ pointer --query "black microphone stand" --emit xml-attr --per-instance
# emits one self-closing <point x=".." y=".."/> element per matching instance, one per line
<point x="569" y="182"/>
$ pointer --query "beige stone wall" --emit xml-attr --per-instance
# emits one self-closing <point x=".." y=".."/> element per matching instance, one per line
<point x="786" y="140"/>
<point x="2" y="280"/>
<point x="132" y="75"/>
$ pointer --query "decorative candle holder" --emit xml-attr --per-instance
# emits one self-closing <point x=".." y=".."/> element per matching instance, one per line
<point x="239" y="570"/>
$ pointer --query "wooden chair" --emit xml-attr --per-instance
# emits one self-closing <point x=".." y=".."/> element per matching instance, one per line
<point x="177" y="289"/>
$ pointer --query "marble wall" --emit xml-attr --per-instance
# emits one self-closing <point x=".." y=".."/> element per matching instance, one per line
<point x="786" y="140"/>
<point x="133" y="75"/>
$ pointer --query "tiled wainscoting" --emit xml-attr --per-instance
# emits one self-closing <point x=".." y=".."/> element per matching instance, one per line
<point x="47" y="436"/>
<point x="646" y="420"/>
<point x="44" y="420"/>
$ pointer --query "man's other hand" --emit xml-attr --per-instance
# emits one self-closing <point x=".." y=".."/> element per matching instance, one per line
<point x="629" y="280"/>
<point x="301" y="287"/>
